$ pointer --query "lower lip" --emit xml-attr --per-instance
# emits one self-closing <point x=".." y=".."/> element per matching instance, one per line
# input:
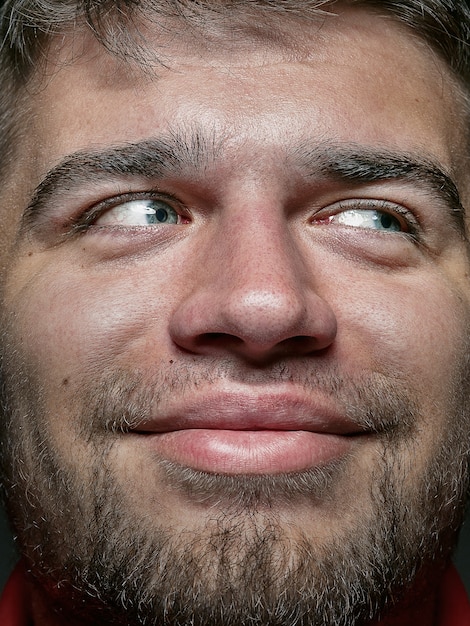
<point x="248" y="452"/>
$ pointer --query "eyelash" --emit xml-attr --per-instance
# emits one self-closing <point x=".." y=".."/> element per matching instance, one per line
<point x="406" y="217"/>
<point x="86" y="219"/>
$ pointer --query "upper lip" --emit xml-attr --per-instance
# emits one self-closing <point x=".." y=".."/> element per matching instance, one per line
<point x="251" y="410"/>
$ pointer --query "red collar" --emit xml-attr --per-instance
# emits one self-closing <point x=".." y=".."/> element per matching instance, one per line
<point x="453" y="605"/>
<point x="14" y="602"/>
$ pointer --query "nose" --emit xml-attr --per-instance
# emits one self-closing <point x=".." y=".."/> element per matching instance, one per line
<point x="251" y="293"/>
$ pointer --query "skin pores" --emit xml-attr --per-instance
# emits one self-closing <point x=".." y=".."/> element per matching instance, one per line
<point x="233" y="315"/>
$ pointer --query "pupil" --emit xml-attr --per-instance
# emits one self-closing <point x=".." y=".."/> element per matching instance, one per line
<point x="386" y="220"/>
<point x="161" y="215"/>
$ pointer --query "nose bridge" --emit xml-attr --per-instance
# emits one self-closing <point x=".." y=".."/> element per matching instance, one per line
<point x="258" y="260"/>
<point x="258" y="263"/>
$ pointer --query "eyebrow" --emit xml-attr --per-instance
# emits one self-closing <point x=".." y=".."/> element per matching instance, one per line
<point x="190" y="154"/>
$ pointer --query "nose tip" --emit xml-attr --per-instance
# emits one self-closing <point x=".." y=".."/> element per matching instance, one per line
<point x="269" y="319"/>
<point x="257" y="325"/>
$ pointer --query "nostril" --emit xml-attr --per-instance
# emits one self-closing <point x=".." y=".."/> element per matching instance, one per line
<point x="301" y="343"/>
<point x="217" y="340"/>
<point x="257" y="349"/>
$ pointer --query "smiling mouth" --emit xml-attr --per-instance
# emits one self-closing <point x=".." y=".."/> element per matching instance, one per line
<point x="223" y="451"/>
<point x="234" y="433"/>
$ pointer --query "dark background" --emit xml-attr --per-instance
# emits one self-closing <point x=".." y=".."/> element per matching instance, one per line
<point x="8" y="556"/>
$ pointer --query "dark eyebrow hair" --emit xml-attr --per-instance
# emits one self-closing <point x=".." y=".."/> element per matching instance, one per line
<point x="179" y="154"/>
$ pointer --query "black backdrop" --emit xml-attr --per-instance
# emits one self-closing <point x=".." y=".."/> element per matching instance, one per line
<point x="8" y="556"/>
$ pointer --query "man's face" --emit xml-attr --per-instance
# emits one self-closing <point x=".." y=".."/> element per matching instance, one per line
<point x="236" y="319"/>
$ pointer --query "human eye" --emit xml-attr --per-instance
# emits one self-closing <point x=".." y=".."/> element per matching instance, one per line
<point x="368" y="218"/>
<point x="138" y="212"/>
<point x="133" y="210"/>
<point x="375" y="215"/>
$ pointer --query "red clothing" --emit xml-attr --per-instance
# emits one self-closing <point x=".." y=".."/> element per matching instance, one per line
<point x="453" y="605"/>
<point x="14" y="605"/>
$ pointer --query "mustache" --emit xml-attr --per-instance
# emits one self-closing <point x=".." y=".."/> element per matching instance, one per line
<point x="121" y="398"/>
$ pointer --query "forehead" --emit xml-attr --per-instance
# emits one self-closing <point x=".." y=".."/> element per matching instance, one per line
<point x="351" y="77"/>
<point x="340" y="50"/>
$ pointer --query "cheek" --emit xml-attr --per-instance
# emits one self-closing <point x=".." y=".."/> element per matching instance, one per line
<point x="414" y="332"/>
<point x="72" y="323"/>
<point x="409" y="328"/>
<point x="76" y="325"/>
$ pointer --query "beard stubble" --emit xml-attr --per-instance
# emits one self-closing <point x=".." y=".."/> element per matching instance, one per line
<point x="104" y="561"/>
